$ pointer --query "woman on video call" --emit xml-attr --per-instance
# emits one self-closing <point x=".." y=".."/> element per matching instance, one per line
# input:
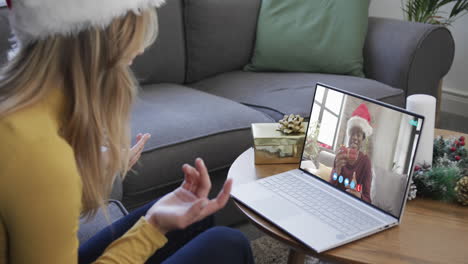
<point x="65" y="94"/>
<point x="352" y="170"/>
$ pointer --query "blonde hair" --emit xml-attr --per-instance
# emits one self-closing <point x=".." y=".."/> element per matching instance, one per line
<point x="92" y="70"/>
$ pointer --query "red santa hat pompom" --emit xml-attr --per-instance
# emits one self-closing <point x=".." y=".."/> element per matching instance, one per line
<point x="32" y="20"/>
<point x="360" y="118"/>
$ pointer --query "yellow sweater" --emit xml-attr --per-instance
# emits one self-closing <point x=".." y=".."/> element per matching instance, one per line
<point x="40" y="195"/>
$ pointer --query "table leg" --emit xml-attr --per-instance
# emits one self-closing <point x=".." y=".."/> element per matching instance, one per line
<point x="296" y="257"/>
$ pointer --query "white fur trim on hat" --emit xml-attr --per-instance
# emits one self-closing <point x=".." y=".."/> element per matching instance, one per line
<point x="37" y="19"/>
<point x="359" y="122"/>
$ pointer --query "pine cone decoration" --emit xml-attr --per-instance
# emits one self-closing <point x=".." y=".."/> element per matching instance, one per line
<point x="412" y="191"/>
<point x="291" y="124"/>
<point x="461" y="190"/>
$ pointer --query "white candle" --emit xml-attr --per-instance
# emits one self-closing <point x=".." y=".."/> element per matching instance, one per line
<point x="424" y="105"/>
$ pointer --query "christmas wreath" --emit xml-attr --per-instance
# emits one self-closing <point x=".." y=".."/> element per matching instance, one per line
<point x="447" y="178"/>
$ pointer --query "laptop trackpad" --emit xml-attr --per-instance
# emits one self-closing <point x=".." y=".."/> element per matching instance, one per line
<point x="275" y="208"/>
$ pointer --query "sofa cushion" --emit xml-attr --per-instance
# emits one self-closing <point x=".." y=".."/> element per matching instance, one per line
<point x="311" y="36"/>
<point x="220" y="35"/>
<point x="104" y="217"/>
<point x="164" y="61"/>
<point x="286" y="93"/>
<point x="185" y="124"/>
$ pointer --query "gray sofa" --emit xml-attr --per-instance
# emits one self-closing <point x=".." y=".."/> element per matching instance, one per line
<point x="197" y="102"/>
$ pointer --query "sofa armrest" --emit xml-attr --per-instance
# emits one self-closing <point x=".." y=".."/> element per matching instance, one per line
<point x="411" y="56"/>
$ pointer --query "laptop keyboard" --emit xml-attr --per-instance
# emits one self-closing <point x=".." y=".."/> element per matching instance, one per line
<point x="319" y="203"/>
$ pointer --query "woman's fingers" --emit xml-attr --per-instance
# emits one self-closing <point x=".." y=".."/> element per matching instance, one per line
<point x="204" y="182"/>
<point x="135" y="151"/>
<point x="224" y="194"/>
<point x="181" y="208"/>
<point x="132" y="163"/>
<point x="197" y="179"/>
<point x="220" y="201"/>
<point x="141" y="141"/>
<point x="133" y="160"/>
<point x="341" y="156"/>
<point x="340" y="163"/>
<point x="188" y="178"/>
<point x="191" y="178"/>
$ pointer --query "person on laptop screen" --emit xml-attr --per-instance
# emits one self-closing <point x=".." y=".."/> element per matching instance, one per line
<point x="352" y="170"/>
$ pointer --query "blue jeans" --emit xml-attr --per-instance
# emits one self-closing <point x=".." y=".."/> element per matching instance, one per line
<point x="199" y="243"/>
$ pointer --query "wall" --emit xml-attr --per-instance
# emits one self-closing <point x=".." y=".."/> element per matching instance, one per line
<point x="455" y="83"/>
<point x="386" y="129"/>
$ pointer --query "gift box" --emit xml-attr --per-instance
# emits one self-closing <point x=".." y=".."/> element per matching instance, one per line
<point x="273" y="146"/>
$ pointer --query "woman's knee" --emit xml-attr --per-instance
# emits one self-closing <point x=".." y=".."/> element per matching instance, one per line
<point x="225" y="238"/>
<point x="216" y="245"/>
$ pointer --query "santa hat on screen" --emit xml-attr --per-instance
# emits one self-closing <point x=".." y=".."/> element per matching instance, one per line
<point x="32" y="20"/>
<point x="360" y="118"/>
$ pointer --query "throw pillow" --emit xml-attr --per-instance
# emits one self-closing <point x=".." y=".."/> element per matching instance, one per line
<point x="321" y="36"/>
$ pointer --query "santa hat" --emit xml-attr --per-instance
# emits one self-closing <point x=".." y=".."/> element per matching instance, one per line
<point x="38" y="19"/>
<point x="360" y="118"/>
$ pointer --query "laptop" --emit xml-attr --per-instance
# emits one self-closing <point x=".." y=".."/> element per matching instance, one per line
<point x="354" y="175"/>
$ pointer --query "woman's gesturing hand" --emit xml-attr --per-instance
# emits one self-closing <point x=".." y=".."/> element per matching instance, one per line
<point x="340" y="161"/>
<point x="189" y="203"/>
<point x="135" y="151"/>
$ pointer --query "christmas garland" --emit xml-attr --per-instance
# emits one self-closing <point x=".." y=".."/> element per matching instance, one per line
<point x="447" y="178"/>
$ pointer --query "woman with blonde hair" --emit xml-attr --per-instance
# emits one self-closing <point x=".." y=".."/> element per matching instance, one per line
<point x="65" y="93"/>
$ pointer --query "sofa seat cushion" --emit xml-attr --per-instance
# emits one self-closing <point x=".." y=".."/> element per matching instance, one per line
<point x="286" y="93"/>
<point x="5" y="35"/>
<point x="185" y="124"/>
<point x="103" y="218"/>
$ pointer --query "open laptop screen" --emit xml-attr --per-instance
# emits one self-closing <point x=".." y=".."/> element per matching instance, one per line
<point x="362" y="147"/>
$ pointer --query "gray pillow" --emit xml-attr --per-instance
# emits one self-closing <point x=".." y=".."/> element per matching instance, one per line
<point x="220" y="35"/>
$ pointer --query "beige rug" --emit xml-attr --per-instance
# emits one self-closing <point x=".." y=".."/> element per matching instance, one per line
<point x="267" y="250"/>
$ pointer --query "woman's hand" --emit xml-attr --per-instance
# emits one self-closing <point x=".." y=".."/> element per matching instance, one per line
<point x="340" y="161"/>
<point x="352" y="191"/>
<point x="355" y="193"/>
<point x="135" y="151"/>
<point x="189" y="203"/>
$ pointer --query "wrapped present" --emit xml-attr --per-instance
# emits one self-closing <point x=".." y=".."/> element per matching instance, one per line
<point x="273" y="146"/>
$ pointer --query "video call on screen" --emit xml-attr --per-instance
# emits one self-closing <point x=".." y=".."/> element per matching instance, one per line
<point x="360" y="147"/>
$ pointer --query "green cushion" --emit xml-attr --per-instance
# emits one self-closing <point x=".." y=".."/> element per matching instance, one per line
<point x="322" y="36"/>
